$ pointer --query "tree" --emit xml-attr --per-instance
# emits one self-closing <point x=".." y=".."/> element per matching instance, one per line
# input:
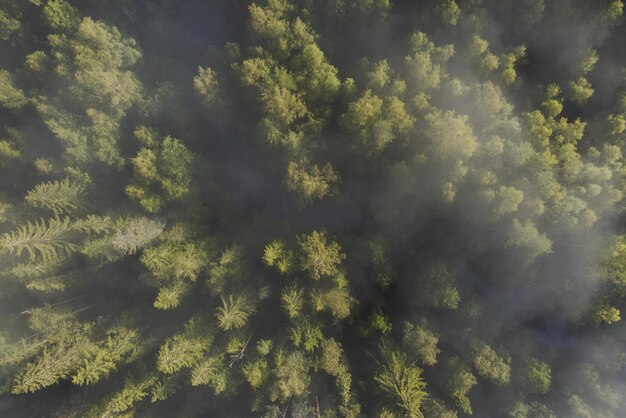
<point x="424" y="64"/>
<point x="525" y="237"/>
<point x="60" y="15"/>
<point x="492" y="366"/>
<point x="459" y="382"/>
<point x="319" y="258"/>
<point x="135" y="234"/>
<point x="605" y="314"/>
<point x="164" y="167"/>
<point x="292" y="302"/>
<point x="120" y="345"/>
<point x="421" y="342"/>
<point x="276" y="255"/>
<point x="291" y="375"/>
<point x="212" y="372"/>
<point x="207" y="86"/>
<point x="450" y="12"/>
<point x="376" y="122"/>
<point x="580" y="90"/>
<point x="10" y="96"/>
<point x="478" y="52"/>
<point x="61" y="197"/>
<point x="537" y="376"/>
<point x="337" y="301"/>
<point x="439" y="286"/>
<point x="185" y="350"/>
<point x="402" y="381"/>
<point x="46" y="240"/>
<point x="135" y="389"/>
<point x="310" y="181"/>
<point x="93" y="61"/>
<point x="233" y="313"/>
<point x="532" y="410"/>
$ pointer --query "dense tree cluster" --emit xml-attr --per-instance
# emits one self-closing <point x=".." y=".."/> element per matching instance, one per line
<point x="298" y="208"/>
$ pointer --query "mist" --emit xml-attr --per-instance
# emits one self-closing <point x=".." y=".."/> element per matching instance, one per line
<point x="297" y="208"/>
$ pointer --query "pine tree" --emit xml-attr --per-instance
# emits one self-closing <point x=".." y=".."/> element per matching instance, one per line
<point x="234" y="312"/>
<point x="61" y="197"/>
<point x="320" y="258"/>
<point x="403" y="382"/>
<point x="41" y="239"/>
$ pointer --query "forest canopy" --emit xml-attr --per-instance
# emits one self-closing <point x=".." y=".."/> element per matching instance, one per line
<point x="324" y="209"/>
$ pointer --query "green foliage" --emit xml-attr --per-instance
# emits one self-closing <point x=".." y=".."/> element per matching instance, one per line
<point x="174" y="259"/>
<point x="478" y="52"/>
<point x="179" y="352"/>
<point x="337" y="301"/>
<point x="403" y="383"/>
<point x="46" y="240"/>
<point x="170" y="297"/>
<point x="60" y="197"/>
<point x="319" y="258"/>
<point x="492" y="366"/>
<point x="184" y="350"/>
<point x="165" y="167"/>
<point x="275" y="255"/>
<point x="332" y="357"/>
<point x="226" y="268"/>
<point x="60" y="15"/>
<point x="534" y="410"/>
<point x="421" y="342"/>
<point x="94" y="60"/>
<point x="616" y="9"/>
<point x="526" y="238"/>
<point x="233" y="313"/>
<point x="207" y="86"/>
<point x="450" y="12"/>
<point x="120" y="344"/>
<point x="292" y="302"/>
<point x="459" y="382"/>
<point x="10" y="96"/>
<point x="380" y="322"/>
<point x="257" y="373"/>
<point x="474" y="198"/>
<point x="424" y="62"/>
<point x="537" y="376"/>
<point x="310" y="181"/>
<point x="211" y="372"/>
<point x="291" y="375"/>
<point x="439" y="286"/>
<point x="306" y="335"/>
<point x="606" y="314"/>
<point x="580" y="90"/>
<point x="8" y="25"/>
<point x="8" y="151"/>
<point x="135" y="389"/>
<point x="375" y="122"/>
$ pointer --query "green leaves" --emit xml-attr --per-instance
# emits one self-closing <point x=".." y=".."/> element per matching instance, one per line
<point x="162" y="173"/>
<point x="59" y="196"/>
<point x="46" y="240"/>
<point x="490" y="365"/>
<point x="207" y="87"/>
<point x="119" y="344"/>
<point x="375" y="122"/>
<point x="234" y="312"/>
<point x="10" y="96"/>
<point x="319" y="258"/>
<point x="310" y="181"/>
<point x="180" y="352"/>
<point x="211" y="372"/>
<point x="403" y="383"/>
